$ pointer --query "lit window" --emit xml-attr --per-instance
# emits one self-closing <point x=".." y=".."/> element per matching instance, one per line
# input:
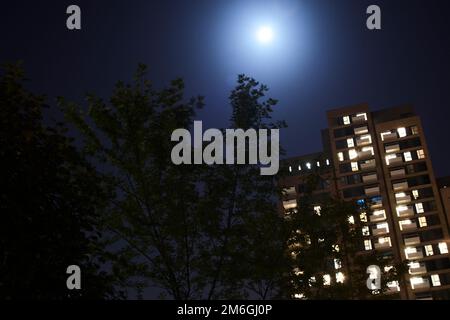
<point x="407" y="156"/>
<point x="364" y="115"/>
<point x="420" y="154"/>
<point x="383" y="134"/>
<point x="354" y="166"/>
<point x="401" y="132"/>
<point x="366" y="138"/>
<point x="368" y="149"/>
<point x="389" y="157"/>
<point x="337" y="264"/>
<point x="383" y="225"/>
<point x="429" y="250"/>
<point x="299" y="168"/>
<point x="414" y="130"/>
<point x="352" y="154"/>
<point x="299" y="296"/>
<point x="388" y="268"/>
<point x="400" y="209"/>
<point x="384" y="240"/>
<point x="318" y="163"/>
<point x="317" y="210"/>
<point x="351" y="220"/>
<point x="308" y="165"/>
<point x="443" y="248"/>
<point x="410" y="250"/>
<point x="346" y="120"/>
<point x="419" y="207"/>
<point x="320" y="240"/>
<point x="415" y="194"/>
<point x="340" y="156"/>
<point x="435" y="280"/>
<point x="350" y="143"/>
<point x="327" y="162"/>
<point x="365" y="231"/>
<point x="415" y="281"/>
<point x="312" y="280"/>
<point x="326" y="280"/>
<point x="400" y="195"/>
<point x="335" y="247"/>
<point x="422" y="222"/>
<point x="290" y="169"/>
<point x="367" y="245"/>
<point x="404" y="222"/>
<point x="340" y="277"/>
<point x="414" y="265"/>
<point x="363" y="217"/>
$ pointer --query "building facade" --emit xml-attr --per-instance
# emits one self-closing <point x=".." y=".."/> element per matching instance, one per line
<point x="381" y="159"/>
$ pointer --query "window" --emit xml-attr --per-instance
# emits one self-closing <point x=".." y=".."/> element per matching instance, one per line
<point x="317" y="210"/>
<point x="404" y="222"/>
<point x="308" y="165"/>
<point x="346" y="120"/>
<point x="383" y="134"/>
<point x="416" y="281"/>
<point x="422" y="222"/>
<point x="363" y="217"/>
<point x="435" y="280"/>
<point x="363" y="115"/>
<point x="326" y="280"/>
<point x="420" y="154"/>
<point x="407" y="156"/>
<point x="383" y="225"/>
<point x="351" y="220"/>
<point x="335" y="247"/>
<point x="340" y="156"/>
<point x="415" y="194"/>
<point x="367" y="244"/>
<point x="368" y="149"/>
<point x="318" y="163"/>
<point x="414" y="130"/>
<point x="367" y="138"/>
<point x="429" y="250"/>
<point x="340" y="277"/>
<point x="290" y="169"/>
<point x="419" y="207"/>
<point x="390" y="157"/>
<point x="384" y="240"/>
<point x="337" y="263"/>
<point x="354" y="166"/>
<point x="365" y="231"/>
<point x="350" y="143"/>
<point x="299" y="168"/>
<point x="443" y="247"/>
<point x="327" y="162"/>
<point x="352" y="154"/>
<point x="401" y="132"/>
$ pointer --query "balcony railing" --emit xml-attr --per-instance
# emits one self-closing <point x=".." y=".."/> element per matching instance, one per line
<point x="379" y="231"/>
<point x="412" y="241"/>
<point x="414" y="255"/>
<point x="377" y="217"/>
<point x="418" y="270"/>
<point x="372" y="191"/>
<point x="400" y="186"/>
<point x="398" y="173"/>
<point x="370" y="178"/>
<point x="390" y="136"/>
<point x="360" y="118"/>
<point x="368" y="165"/>
<point x="391" y="149"/>
<point x="405" y="212"/>
<point x="361" y="130"/>
<point x="403" y="199"/>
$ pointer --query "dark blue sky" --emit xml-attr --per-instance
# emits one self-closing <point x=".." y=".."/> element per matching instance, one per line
<point x="322" y="56"/>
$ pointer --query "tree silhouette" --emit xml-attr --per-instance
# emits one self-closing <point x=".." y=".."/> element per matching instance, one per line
<point x="50" y="199"/>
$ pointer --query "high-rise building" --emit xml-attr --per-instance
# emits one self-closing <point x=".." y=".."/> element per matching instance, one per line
<point x="381" y="159"/>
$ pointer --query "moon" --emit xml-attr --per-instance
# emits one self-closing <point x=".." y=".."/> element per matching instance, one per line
<point x="265" y="34"/>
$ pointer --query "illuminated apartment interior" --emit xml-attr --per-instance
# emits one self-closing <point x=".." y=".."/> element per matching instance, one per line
<point x="381" y="159"/>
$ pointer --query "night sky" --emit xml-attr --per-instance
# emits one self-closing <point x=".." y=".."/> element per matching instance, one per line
<point x="322" y="56"/>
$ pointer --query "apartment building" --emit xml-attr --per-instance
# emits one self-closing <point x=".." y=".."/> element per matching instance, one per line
<point x="381" y="161"/>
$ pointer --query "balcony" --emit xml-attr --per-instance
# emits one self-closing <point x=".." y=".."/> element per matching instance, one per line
<point x="378" y="215"/>
<point x="389" y="136"/>
<point x="405" y="211"/>
<point x="394" y="161"/>
<point x="412" y="241"/>
<point x="399" y="186"/>
<point x="403" y="199"/>
<point x="376" y="204"/>
<point x="408" y="226"/>
<point x="425" y="284"/>
<point x="361" y="130"/>
<point x="420" y="269"/>
<point x="414" y="255"/>
<point x="382" y="245"/>
<point x="373" y="191"/>
<point x="370" y="178"/>
<point x="289" y="192"/>
<point x="360" y="141"/>
<point x="290" y="204"/>
<point x="380" y="231"/>
<point x="359" y="118"/>
<point x="398" y="173"/>
<point x="365" y="153"/>
<point x="369" y="164"/>
<point x="391" y="149"/>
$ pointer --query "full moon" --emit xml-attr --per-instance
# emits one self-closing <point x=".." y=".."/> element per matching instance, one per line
<point x="265" y="34"/>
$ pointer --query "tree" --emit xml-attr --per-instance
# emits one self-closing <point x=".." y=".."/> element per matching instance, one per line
<point x="328" y="258"/>
<point x="50" y="199"/>
<point x="194" y="231"/>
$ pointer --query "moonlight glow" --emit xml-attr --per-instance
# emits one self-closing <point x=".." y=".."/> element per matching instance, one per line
<point x="265" y="34"/>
